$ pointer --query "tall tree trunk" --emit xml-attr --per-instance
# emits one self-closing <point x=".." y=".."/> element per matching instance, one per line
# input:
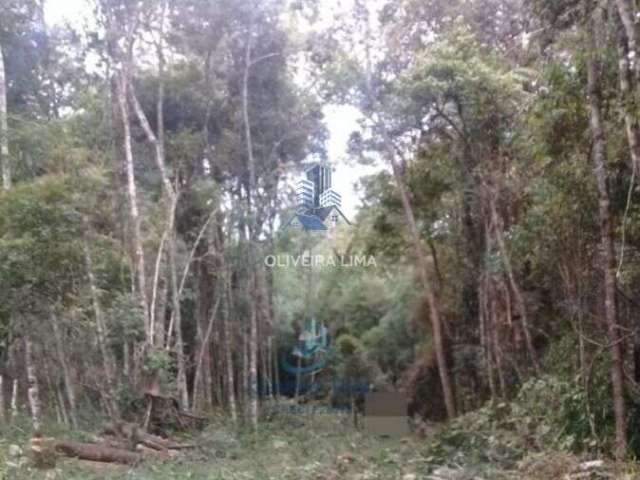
<point x="628" y="96"/>
<point x="33" y="391"/>
<point x="177" y="316"/>
<point x="66" y="372"/>
<point x="253" y="363"/>
<point x="423" y="271"/>
<point x="472" y="243"/>
<point x="227" y="345"/>
<point x="171" y="196"/>
<point x="207" y="288"/>
<point x="253" y="316"/>
<point x="483" y="311"/>
<point x="608" y="262"/>
<point x="3" y="417"/>
<point x="244" y="387"/>
<point x="390" y="155"/>
<point x="134" y="214"/>
<point x="5" y="164"/>
<point x="171" y="199"/>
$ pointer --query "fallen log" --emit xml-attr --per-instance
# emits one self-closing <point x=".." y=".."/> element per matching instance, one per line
<point x="96" y="453"/>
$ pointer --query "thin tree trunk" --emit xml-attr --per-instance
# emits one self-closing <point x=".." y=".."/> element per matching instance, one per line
<point x="134" y="214"/>
<point x="56" y="397"/>
<point x="207" y="290"/>
<point x="32" y="391"/>
<point x="495" y="340"/>
<point x="628" y="97"/>
<point x="5" y="164"/>
<point x="126" y="359"/>
<point x="59" y="404"/>
<point x="231" y="394"/>
<point x="608" y="262"/>
<point x="3" y="417"/>
<point x="171" y="198"/>
<point x="153" y="308"/>
<point x="484" y="333"/>
<point x="197" y="379"/>
<point x="244" y="389"/>
<point x="14" y="399"/>
<point x="268" y="366"/>
<point x="276" y="370"/>
<point x="161" y="308"/>
<point x="506" y="260"/>
<point x="628" y="17"/>
<point x="179" y="346"/>
<point x="253" y="368"/>
<point x="66" y="373"/>
<point x="253" y="317"/>
<point x="108" y="362"/>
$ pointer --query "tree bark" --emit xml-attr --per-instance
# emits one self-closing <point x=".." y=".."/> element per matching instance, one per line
<point x="628" y="97"/>
<point x="66" y="372"/>
<point x="3" y="417"/>
<point x="14" y="399"/>
<point x="226" y="304"/>
<point x="96" y="453"/>
<point x="608" y="262"/>
<point x="253" y="320"/>
<point x="5" y="164"/>
<point x="253" y="363"/>
<point x="197" y="377"/>
<point x="134" y="214"/>
<point x="627" y="16"/>
<point x="33" y="390"/>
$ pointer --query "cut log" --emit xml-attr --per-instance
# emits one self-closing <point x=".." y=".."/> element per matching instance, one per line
<point x="96" y="453"/>
<point x="42" y="452"/>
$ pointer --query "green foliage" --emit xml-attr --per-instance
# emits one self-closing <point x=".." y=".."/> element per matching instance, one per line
<point x="40" y="232"/>
<point x="563" y="414"/>
<point x="125" y="319"/>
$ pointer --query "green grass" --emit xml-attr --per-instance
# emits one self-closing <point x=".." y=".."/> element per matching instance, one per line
<point x="295" y="447"/>
<point x="315" y="447"/>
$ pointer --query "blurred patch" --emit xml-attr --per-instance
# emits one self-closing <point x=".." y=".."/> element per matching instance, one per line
<point x="385" y="414"/>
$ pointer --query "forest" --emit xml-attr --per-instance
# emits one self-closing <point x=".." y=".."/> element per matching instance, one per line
<point x="226" y="226"/>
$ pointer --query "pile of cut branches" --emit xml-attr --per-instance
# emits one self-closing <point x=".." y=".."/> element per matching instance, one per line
<point x="119" y="442"/>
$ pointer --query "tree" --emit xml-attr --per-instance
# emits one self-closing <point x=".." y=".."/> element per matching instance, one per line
<point x="608" y="259"/>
